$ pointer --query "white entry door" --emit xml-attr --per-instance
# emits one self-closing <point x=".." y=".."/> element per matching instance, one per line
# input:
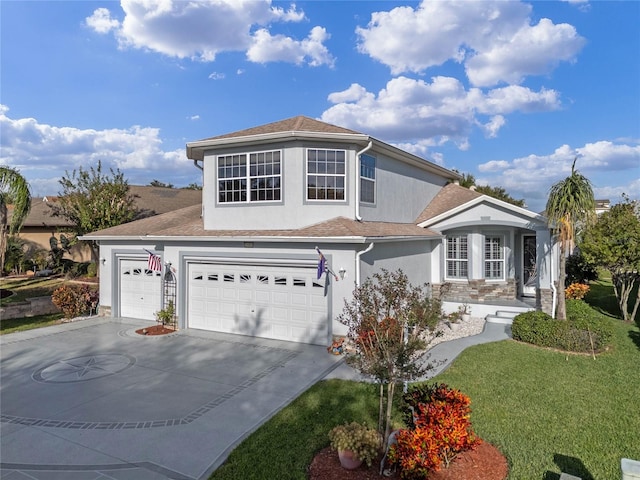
<point x="140" y="290"/>
<point x="284" y="303"/>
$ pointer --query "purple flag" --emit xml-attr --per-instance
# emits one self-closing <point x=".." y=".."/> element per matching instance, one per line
<point x="321" y="265"/>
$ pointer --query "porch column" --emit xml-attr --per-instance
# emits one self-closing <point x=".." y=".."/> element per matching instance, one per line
<point x="545" y="269"/>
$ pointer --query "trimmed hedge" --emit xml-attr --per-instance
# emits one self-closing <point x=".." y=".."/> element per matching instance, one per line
<point x="584" y="331"/>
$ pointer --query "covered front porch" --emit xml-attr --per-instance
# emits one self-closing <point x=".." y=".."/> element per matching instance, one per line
<point x="493" y="255"/>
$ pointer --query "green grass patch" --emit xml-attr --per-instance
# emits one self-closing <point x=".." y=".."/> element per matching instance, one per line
<point x="24" y="288"/>
<point x="548" y="412"/>
<point x="601" y="296"/>
<point x="28" y="323"/>
<point x="284" y="446"/>
<point x="551" y="412"/>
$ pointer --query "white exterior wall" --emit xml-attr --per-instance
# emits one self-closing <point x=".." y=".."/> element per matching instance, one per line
<point x="294" y="211"/>
<point x="413" y="258"/>
<point x="338" y="256"/>
<point x="402" y="191"/>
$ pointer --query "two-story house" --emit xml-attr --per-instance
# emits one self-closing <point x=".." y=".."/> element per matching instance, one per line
<point x="246" y="260"/>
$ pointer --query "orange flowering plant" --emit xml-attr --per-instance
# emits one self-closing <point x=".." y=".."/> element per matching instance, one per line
<point x="440" y="428"/>
<point x="576" y="291"/>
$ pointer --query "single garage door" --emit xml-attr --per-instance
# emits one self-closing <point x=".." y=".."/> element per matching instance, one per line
<point x="140" y="290"/>
<point x="284" y="303"/>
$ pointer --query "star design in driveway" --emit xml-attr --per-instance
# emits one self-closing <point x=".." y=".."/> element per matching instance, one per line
<point x="83" y="368"/>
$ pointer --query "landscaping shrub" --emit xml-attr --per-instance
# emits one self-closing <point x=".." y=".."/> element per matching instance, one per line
<point x="576" y="291"/>
<point x="92" y="269"/>
<point x="439" y="428"/>
<point x="75" y="300"/>
<point x="584" y="331"/>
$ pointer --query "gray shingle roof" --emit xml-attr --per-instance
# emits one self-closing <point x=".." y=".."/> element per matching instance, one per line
<point x="187" y="222"/>
<point x="293" y="124"/>
<point x="448" y="198"/>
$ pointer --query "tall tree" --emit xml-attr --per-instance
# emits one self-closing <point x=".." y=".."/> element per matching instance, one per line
<point x="613" y="242"/>
<point x="14" y="189"/>
<point x="92" y="200"/>
<point x="468" y="180"/>
<point x="570" y="205"/>
<point x="158" y="183"/>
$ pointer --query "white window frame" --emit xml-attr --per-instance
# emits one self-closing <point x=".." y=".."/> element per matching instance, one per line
<point x="246" y="180"/>
<point x="460" y="259"/>
<point x="367" y="177"/>
<point x="328" y="175"/>
<point x="493" y="257"/>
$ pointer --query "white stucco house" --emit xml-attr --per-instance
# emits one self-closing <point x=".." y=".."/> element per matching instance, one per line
<point x="245" y="261"/>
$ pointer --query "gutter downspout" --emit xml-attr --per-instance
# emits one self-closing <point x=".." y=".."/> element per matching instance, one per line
<point x="357" y="177"/>
<point x="201" y="168"/>
<point x="553" y="283"/>
<point x="358" y="255"/>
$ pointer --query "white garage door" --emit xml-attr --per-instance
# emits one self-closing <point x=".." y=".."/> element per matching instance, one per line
<point x="140" y="290"/>
<point x="283" y="303"/>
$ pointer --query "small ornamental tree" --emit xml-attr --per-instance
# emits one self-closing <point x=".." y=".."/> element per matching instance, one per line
<point x="391" y="323"/>
<point x="613" y="242"/>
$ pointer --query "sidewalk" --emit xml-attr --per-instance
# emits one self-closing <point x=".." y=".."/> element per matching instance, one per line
<point x="442" y="354"/>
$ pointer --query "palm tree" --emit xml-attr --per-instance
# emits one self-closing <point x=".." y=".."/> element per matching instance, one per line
<point x="570" y="204"/>
<point x="13" y="189"/>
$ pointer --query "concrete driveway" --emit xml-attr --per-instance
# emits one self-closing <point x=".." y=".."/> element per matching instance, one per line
<point x="93" y="399"/>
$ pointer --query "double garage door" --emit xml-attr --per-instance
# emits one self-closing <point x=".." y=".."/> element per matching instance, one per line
<point x="283" y="302"/>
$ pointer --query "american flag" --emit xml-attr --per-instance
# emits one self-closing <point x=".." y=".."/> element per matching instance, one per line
<point x="154" y="263"/>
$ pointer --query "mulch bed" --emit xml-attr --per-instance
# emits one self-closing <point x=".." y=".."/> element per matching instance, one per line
<point x="485" y="462"/>
<point x="155" y="330"/>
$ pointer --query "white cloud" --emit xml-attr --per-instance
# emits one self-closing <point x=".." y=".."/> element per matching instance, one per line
<point x="531" y="176"/>
<point x="44" y="152"/>
<point x="545" y="45"/>
<point x="409" y="110"/>
<point x="200" y="30"/>
<point x="279" y="48"/>
<point x="101" y="21"/>
<point x="194" y="117"/>
<point x="487" y="37"/>
<point x="216" y="76"/>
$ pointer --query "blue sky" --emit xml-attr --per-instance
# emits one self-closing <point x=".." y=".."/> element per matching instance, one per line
<point x="510" y="92"/>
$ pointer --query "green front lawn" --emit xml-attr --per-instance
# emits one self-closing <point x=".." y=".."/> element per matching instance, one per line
<point x="29" y="287"/>
<point x="29" y="323"/>
<point x="548" y="412"/>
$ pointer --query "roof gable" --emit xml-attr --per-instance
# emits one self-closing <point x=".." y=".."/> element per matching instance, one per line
<point x="300" y="123"/>
<point x="456" y="205"/>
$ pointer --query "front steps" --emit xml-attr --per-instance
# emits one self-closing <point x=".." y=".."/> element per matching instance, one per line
<point x="504" y="317"/>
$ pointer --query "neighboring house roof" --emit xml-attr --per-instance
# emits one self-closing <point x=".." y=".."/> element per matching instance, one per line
<point x="187" y="223"/>
<point x="149" y="200"/>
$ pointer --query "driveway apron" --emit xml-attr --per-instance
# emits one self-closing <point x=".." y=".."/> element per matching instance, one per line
<point x="93" y="399"/>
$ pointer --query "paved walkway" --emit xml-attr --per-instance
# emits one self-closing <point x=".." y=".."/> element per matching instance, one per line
<point x="442" y="354"/>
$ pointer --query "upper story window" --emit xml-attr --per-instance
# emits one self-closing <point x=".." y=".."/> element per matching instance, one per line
<point x="253" y="177"/>
<point x="493" y="257"/>
<point x="326" y="174"/>
<point x="367" y="179"/>
<point x="457" y="256"/>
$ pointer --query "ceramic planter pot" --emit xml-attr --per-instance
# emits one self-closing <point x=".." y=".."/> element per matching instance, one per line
<point x="348" y="460"/>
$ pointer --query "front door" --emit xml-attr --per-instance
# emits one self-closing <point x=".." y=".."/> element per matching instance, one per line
<point x="529" y="275"/>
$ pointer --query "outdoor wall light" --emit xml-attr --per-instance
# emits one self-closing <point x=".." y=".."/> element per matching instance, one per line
<point x="342" y="272"/>
<point x="103" y="261"/>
